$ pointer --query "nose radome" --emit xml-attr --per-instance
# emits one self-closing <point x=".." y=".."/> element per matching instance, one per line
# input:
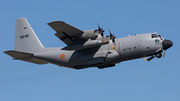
<point x="167" y="44"/>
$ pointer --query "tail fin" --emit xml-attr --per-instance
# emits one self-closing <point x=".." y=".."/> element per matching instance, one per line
<point x="25" y="38"/>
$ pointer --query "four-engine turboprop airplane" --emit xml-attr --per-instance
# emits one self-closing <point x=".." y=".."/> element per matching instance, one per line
<point x="90" y="48"/>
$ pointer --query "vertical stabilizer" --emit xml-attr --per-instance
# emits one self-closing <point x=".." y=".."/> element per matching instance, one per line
<point x="25" y="38"/>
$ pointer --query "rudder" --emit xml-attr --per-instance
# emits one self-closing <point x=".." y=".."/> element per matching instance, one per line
<point x="25" y="38"/>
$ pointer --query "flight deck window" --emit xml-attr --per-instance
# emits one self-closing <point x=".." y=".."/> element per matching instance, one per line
<point x="155" y="36"/>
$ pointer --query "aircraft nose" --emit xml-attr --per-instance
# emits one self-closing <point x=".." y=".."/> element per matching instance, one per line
<point x="167" y="44"/>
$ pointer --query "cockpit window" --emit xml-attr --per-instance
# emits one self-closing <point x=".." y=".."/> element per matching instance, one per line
<point x="157" y="36"/>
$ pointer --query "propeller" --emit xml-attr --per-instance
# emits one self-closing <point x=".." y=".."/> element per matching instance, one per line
<point x="100" y="30"/>
<point x="112" y="37"/>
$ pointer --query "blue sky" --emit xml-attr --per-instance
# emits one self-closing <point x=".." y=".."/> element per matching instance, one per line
<point x="136" y="80"/>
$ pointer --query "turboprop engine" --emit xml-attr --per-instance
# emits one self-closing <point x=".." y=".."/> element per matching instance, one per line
<point x="93" y="34"/>
<point x="90" y="34"/>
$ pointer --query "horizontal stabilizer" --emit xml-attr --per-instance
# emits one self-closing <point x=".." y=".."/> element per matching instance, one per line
<point x="35" y="60"/>
<point x="18" y="55"/>
<point x="25" y="57"/>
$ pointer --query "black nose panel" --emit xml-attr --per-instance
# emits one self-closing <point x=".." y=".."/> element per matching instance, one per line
<point x="167" y="44"/>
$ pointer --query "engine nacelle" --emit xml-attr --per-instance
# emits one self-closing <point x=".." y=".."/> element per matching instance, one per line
<point x="90" y="34"/>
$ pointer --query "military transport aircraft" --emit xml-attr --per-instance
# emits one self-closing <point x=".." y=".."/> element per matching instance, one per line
<point x="90" y="48"/>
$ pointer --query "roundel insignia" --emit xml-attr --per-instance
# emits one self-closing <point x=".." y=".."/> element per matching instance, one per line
<point x="62" y="56"/>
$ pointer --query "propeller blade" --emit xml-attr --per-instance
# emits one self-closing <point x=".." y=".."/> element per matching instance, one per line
<point x="112" y="37"/>
<point x="98" y="26"/>
<point x="163" y="53"/>
<point x="100" y="30"/>
<point x="110" y="33"/>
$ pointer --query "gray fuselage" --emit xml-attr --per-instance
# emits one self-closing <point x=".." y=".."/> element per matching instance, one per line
<point x="127" y="48"/>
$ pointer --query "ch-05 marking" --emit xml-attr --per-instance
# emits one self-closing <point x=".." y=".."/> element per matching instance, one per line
<point x="24" y="36"/>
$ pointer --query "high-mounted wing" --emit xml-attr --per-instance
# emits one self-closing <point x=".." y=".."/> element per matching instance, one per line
<point x="67" y="33"/>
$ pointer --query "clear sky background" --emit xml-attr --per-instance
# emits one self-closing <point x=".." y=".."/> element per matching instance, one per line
<point x="135" y="80"/>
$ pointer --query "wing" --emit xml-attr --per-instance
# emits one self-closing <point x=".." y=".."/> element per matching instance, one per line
<point x="67" y="33"/>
